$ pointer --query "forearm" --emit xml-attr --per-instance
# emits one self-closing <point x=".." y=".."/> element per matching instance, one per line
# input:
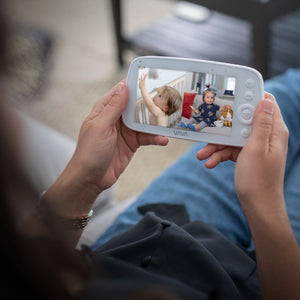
<point x="277" y="251"/>
<point x="71" y="194"/>
<point x="67" y="199"/>
<point x="105" y="147"/>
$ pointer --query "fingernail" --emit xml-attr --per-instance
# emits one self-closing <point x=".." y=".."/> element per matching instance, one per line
<point x="268" y="106"/>
<point x="120" y="88"/>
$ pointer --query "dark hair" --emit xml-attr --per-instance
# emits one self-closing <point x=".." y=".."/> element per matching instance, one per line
<point x="33" y="267"/>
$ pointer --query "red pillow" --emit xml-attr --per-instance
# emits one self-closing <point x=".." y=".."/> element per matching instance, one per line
<point x="188" y="100"/>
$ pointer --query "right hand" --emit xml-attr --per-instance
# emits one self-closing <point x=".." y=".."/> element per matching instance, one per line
<point x="142" y="81"/>
<point x="194" y="110"/>
<point x="260" y="165"/>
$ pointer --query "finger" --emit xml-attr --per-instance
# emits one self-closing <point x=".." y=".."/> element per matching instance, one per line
<point x="115" y="105"/>
<point x="228" y="153"/>
<point x="269" y="96"/>
<point x="145" y="139"/>
<point x="101" y="103"/>
<point x="277" y="112"/>
<point x="208" y="150"/>
<point x="262" y="124"/>
<point x="280" y="134"/>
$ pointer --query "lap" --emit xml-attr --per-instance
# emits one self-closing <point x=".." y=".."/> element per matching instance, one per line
<point x="209" y="195"/>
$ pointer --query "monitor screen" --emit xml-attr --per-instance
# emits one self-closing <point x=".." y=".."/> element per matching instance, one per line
<point x="190" y="101"/>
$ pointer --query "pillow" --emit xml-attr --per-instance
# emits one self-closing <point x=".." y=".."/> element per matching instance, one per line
<point x="228" y="92"/>
<point x="188" y="100"/>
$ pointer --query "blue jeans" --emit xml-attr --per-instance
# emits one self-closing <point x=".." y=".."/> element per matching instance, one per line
<point x="209" y="195"/>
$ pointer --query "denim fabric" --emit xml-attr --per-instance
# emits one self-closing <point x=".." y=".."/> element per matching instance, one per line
<point x="209" y="195"/>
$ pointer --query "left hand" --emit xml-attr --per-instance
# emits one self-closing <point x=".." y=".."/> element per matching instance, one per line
<point x="106" y="145"/>
<point x="104" y="149"/>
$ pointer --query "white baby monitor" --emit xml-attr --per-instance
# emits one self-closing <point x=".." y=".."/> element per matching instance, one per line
<point x="170" y="96"/>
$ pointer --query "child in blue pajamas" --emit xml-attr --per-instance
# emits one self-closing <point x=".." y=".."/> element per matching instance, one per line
<point x="207" y="113"/>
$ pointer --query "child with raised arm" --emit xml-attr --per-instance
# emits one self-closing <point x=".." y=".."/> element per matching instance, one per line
<point x="166" y="101"/>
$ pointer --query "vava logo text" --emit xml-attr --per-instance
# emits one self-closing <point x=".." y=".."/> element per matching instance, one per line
<point x="180" y="133"/>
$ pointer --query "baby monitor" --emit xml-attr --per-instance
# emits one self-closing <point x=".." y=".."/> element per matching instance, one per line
<point x="192" y="99"/>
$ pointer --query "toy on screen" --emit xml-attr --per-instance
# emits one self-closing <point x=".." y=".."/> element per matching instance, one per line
<point x="192" y="99"/>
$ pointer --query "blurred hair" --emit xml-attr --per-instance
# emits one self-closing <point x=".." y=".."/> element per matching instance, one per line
<point x="3" y="38"/>
<point x="173" y="99"/>
<point x="32" y="268"/>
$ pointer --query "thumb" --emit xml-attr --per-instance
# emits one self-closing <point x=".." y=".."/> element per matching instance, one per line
<point x="262" y="123"/>
<point x="115" y="105"/>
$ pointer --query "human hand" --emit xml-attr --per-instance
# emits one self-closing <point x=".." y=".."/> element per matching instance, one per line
<point x="106" y="145"/>
<point x="194" y="109"/>
<point x="104" y="149"/>
<point x="142" y="81"/>
<point x="260" y="165"/>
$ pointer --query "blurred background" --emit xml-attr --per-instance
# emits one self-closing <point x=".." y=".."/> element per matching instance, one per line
<point x="69" y="53"/>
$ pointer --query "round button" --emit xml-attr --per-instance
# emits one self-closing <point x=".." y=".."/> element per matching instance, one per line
<point x="245" y="113"/>
<point x="250" y="83"/>
<point x="245" y="132"/>
<point x="248" y="95"/>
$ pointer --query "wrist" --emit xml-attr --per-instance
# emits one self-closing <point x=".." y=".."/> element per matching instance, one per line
<point x="264" y="209"/>
<point x="271" y="230"/>
<point x="71" y="195"/>
<point x="45" y="213"/>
